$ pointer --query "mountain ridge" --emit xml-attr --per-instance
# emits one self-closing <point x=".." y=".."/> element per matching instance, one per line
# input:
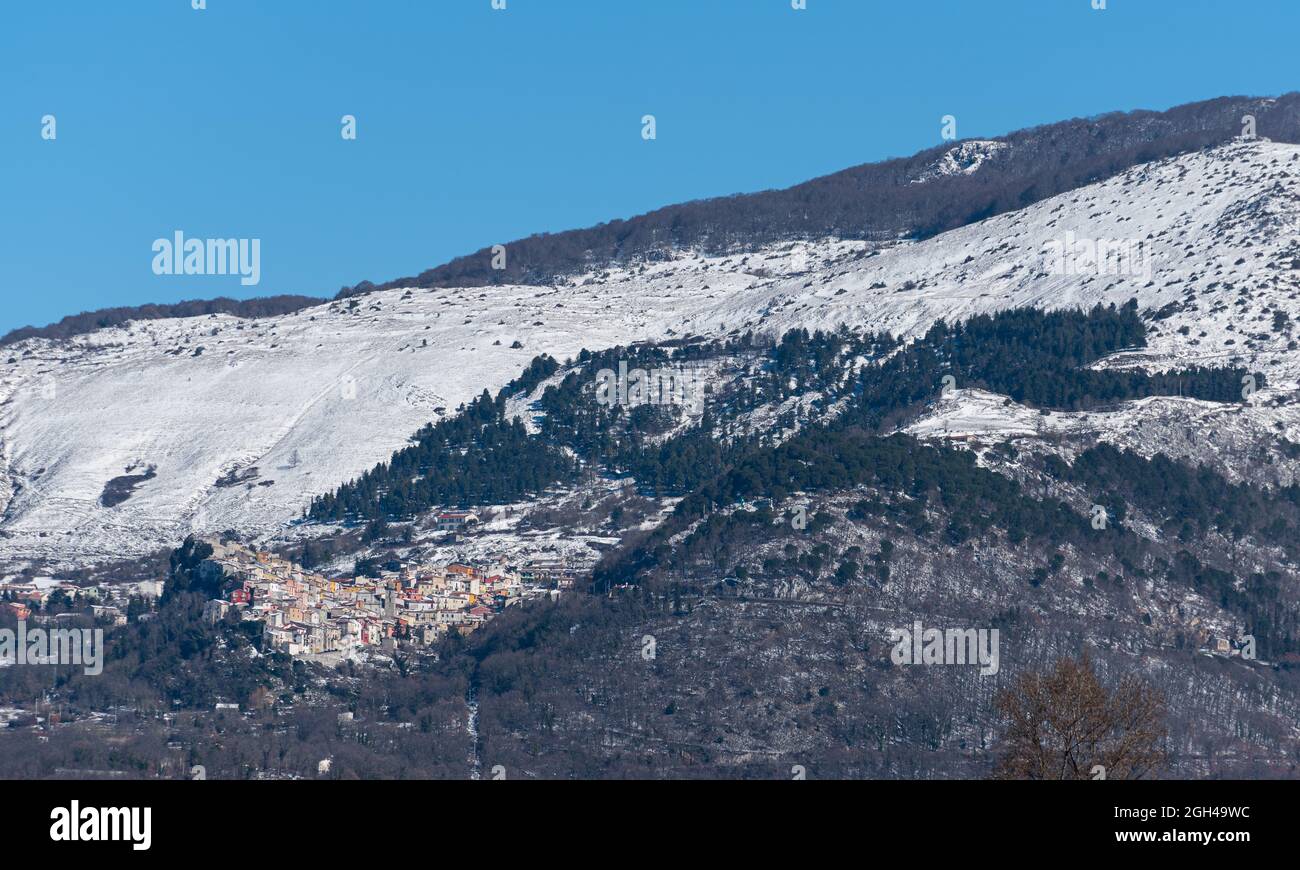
<point x="839" y="204"/>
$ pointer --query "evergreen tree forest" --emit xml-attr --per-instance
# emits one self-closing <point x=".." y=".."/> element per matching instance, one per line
<point x="852" y="381"/>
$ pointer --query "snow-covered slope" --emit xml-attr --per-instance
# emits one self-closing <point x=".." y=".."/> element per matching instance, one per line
<point x="1219" y="231"/>
<point x="308" y="400"/>
<point x="312" y="399"/>
<point x="963" y="159"/>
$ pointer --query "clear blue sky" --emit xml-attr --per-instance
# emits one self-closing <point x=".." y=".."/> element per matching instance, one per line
<point x="476" y="126"/>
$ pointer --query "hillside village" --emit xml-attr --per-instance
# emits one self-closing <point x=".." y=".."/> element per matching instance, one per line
<point x="308" y="614"/>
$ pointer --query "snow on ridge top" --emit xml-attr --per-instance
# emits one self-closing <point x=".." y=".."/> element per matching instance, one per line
<point x="282" y="408"/>
<point x="1205" y="242"/>
<point x="963" y="159"/>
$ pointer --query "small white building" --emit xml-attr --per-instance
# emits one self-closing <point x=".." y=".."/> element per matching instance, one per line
<point x="455" y="521"/>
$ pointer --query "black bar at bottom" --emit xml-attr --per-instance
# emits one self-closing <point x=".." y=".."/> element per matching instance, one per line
<point x="1222" y="818"/>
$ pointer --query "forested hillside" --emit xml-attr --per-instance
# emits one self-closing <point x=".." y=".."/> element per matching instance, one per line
<point x="484" y="456"/>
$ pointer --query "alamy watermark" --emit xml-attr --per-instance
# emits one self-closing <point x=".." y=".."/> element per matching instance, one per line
<point x="102" y="824"/>
<point x="181" y="256"/>
<point x="57" y="646"/>
<point x="953" y="646"/>
<point x="1084" y="256"/>
<point x="653" y="387"/>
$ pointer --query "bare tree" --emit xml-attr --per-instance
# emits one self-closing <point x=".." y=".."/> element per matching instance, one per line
<point x="1066" y="725"/>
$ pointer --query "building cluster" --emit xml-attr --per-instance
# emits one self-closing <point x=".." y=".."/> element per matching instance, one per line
<point x="25" y="598"/>
<point x="307" y="613"/>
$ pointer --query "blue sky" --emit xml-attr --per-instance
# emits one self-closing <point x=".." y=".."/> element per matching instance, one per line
<point x="475" y="126"/>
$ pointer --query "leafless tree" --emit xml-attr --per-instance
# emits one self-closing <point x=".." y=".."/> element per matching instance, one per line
<point x="1065" y="724"/>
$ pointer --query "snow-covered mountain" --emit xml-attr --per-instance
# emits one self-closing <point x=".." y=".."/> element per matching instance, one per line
<point x="217" y="422"/>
